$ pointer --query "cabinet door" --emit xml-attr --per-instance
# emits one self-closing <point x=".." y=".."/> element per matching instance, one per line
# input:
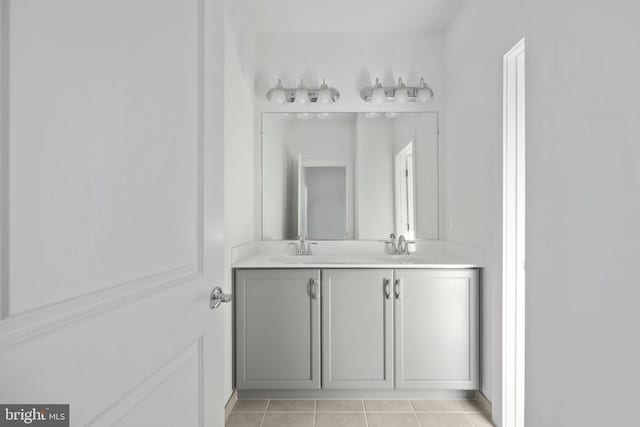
<point x="357" y="328"/>
<point x="436" y="313"/>
<point x="277" y="329"/>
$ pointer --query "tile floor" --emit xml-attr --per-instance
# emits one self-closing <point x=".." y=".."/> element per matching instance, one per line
<point x="357" y="413"/>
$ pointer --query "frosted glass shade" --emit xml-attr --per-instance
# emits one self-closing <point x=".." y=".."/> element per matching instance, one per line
<point x="425" y="94"/>
<point x="324" y="96"/>
<point x="278" y="96"/>
<point x="401" y="96"/>
<point x="378" y="95"/>
<point x="302" y="96"/>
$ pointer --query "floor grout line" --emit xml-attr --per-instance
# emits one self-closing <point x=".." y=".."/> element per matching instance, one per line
<point x="314" y="411"/>
<point x="264" y="415"/>
<point x="470" y="420"/>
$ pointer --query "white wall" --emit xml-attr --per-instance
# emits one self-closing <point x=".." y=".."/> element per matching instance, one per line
<point x="423" y="130"/>
<point x="471" y="140"/>
<point x="583" y="205"/>
<point x="240" y="218"/>
<point x="374" y="177"/>
<point x="275" y="177"/>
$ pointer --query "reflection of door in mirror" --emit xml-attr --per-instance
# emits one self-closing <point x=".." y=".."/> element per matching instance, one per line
<point x="404" y="192"/>
<point x="324" y="199"/>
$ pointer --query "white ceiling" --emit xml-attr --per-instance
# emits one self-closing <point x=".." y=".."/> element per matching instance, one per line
<point x="354" y="15"/>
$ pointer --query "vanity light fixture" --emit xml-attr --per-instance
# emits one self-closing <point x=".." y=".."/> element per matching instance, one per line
<point x="425" y="93"/>
<point x="401" y="94"/>
<point x="324" y="94"/>
<point x="378" y="94"/>
<point x="277" y="95"/>
<point x="302" y="95"/>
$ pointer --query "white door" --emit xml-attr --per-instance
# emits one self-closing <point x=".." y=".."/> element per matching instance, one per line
<point x="112" y="215"/>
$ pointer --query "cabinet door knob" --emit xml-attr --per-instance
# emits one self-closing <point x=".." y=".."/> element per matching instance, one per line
<point x="387" y="288"/>
<point x="396" y="288"/>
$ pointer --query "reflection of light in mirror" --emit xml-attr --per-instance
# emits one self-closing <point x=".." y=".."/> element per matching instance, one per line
<point x="372" y="115"/>
<point x="304" y="116"/>
<point x="324" y="115"/>
<point x="391" y="115"/>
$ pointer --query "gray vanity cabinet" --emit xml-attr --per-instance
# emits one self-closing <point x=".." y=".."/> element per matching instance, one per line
<point x="277" y="329"/>
<point x="357" y="329"/>
<point x="436" y="329"/>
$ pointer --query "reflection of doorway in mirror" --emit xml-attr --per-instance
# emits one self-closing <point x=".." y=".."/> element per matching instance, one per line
<point x="325" y="205"/>
<point x="404" y="192"/>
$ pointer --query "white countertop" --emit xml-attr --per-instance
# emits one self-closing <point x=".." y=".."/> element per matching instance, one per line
<point x="353" y="261"/>
<point x="354" y="254"/>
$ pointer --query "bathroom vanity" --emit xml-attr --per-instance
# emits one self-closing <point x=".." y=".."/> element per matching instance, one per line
<point x="330" y="326"/>
<point x="355" y="319"/>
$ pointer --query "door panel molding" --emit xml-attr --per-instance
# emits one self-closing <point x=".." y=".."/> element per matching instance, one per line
<point x="133" y="398"/>
<point x="161" y="279"/>
<point x="22" y="325"/>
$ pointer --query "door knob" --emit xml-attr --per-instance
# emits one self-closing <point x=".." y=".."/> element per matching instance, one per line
<point x="218" y="297"/>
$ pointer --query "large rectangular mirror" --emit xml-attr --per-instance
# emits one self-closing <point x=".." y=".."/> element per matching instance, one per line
<point x="349" y="176"/>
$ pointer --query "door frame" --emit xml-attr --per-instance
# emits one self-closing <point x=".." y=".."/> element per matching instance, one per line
<point x="513" y="238"/>
<point x="347" y="164"/>
<point x="405" y="189"/>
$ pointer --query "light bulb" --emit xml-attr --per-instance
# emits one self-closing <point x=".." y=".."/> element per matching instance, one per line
<point x="324" y="95"/>
<point x="324" y="115"/>
<point x="378" y="96"/>
<point x="372" y="115"/>
<point x="304" y="116"/>
<point x="277" y="95"/>
<point x="424" y="92"/>
<point x="401" y="94"/>
<point x="302" y="96"/>
<point x="391" y="115"/>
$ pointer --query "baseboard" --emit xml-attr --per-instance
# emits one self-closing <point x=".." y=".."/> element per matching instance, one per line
<point x="484" y="403"/>
<point x="356" y="394"/>
<point x="231" y="403"/>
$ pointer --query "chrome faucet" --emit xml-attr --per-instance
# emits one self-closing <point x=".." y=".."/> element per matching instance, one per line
<point x="392" y="243"/>
<point x="303" y="246"/>
<point x="403" y="246"/>
<point x="399" y="246"/>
